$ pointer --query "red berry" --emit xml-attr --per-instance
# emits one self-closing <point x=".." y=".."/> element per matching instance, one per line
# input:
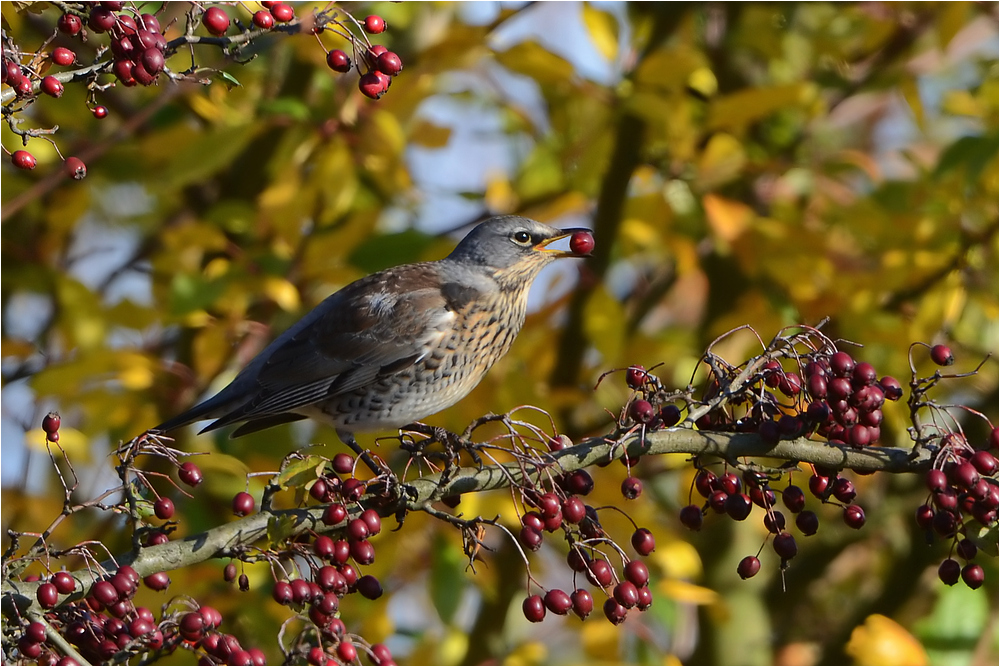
<point x="100" y="112"/>
<point x="615" y="612"/>
<point x="63" y="56"/>
<point x="533" y="608"/>
<point x="190" y="474"/>
<point x="192" y="626"/>
<point x="942" y="356"/>
<point x="626" y="594"/>
<point x="558" y="602"/>
<point x="599" y="573"/>
<point x="282" y="13"/>
<point x="243" y="503"/>
<point x="738" y="506"/>
<point x="371" y="85"/>
<point x="635" y="376"/>
<point x="152" y="60"/>
<point x="51" y="423"/>
<point x="372" y="520"/>
<point x="158" y="581"/>
<point x="369" y="587"/>
<point x="47" y="595"/>
<point x="748" y="567"/>
<point x="691" y="517"/>
<point x="637" y="572"/>
<point x="842" y="364"/>
<point x="105" y="593"/>
<point x="854" y="516"/>
<point x="75" y="168"/>
<point x="64" y="582"/>
<point x="949" y="572"/>
<point x="150" y="22"/>
<point x="357" y="530"/>
<point x="631" y="488"/>
<point x="334" y="514"/>
<point x="807" y="522"/>
<point x="323" y="546"/>
<point x="973" y="576"/>
<point x="389" y="63"/>
<point x="375" y="24"/>
<point x="581" y="243"/>
<point x="642" y="411"/>
<point x="216" y="21"/>
<point x="163" y="508"/>
<point x="282" y="593"/>
<point x="784" y="545"/>
<point x="794" y="498"/>
<point x="362" y="552"/>
<point x="984" y="462"/>
<point x="890" y="387"/>
<point x="24" y="160"/>
<point x="583" y="602"/>
<point x="263" y="19"/>
<point x="343" y="464"/>
<point x="102" y="19"/>
<point x="70" y="24"/>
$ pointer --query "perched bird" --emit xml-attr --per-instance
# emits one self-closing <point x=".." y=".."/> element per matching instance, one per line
<point x="398" y="345"/>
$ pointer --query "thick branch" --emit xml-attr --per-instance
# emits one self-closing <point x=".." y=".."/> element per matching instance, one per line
<point x="229" y="540"/>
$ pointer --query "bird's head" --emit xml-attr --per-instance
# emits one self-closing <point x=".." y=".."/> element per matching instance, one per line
<point x="519" y="247"/>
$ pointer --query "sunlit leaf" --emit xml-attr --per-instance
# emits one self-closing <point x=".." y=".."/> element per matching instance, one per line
<point x="532" y="59"/>
<point x="882" y="641"/>
<point x="603" y="29"/>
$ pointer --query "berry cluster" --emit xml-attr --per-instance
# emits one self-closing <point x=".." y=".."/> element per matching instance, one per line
<point x="137" y="49"/>
<point x="563" y="509"/>
<point x="380" y="64"/>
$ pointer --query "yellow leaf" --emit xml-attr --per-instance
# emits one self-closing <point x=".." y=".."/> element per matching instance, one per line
<point x="603" y="29"/>
<point x="282" y="292"/>
<point x="678" y="560"/>
<point x="908" y="86"/>
<point x="429" y="135"/>
<point x="727" y="218"/>
<point x="742" y="108"/>
<point x="684" y="591"/>
<point x="600" y="641"/>
<point x="883" y="641"/>
<point x="500" y="196"/>
<point x="534" y="60"/>
<point x="722" y="160"/>
<point x="704" y="82"/>
<point x="530" y="653"/>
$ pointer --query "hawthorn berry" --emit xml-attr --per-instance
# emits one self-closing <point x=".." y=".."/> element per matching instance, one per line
<point x="282" y="13"/>
<point x="614" y="611"/>
<point x="580" y="243"/>
<point x="263" y="19"/>
<point x="389" y="63"/>
<point x="190" y="474"/>
<point x="949" y="572"/>
<point x="631" y="488"/>
<point x="533" y="608"/>
<point x="75" y="168"/>
<point x="369" y="587"/>
<point x="101" y="19"/>
<point x="338" y="61"/>
<point x="558" y="601"/>
<point x="163" y="508"/>
<point x="243" y="503"/>
<point x="47" y="595"/>
<point x="216" y="21"/>
<point x="854" y="516"/>
<point x="375" y="24"/>
<point x="100" y="112"/>
<point x="748" y="567"/>
<point x="583" y="602"/>
<point x="942" y="356"/>
<point x="692" y="517"/>
<point x="70" y="24"/>
<point x="24" y="160"/>
<point x="807" y="522"/>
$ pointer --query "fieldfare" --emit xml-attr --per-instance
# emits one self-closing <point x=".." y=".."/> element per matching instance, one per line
<point x="398" y="345"/>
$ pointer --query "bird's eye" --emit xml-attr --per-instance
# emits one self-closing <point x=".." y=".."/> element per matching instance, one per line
<point x="522" y="238"/>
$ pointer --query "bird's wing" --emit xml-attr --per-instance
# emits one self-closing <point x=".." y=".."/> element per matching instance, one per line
<point x="374" y="327"/>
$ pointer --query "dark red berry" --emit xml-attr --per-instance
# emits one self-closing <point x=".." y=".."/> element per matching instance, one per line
<point x="635" y="376"/>
<point x="362" y="552"/>
<point x="924" y="516"/>
<point x="842" y="364"/>
<point x="105" y="593"/>
<point x="374" y="24"/>
<point x="101" y="19"/>
<point x="843" y="490"/>
<point x="389" y="63"/>
<point x="614" y="611"/>
<point x="263" y="19"/>
<point x="643" y="542"/>
<point x="631" y="488"/>
<point x="984" y="462"/>
<point x="637" y="572"/>
<point x="790" y="384"/>
<point x="769" y="432"/>
<point x="670" y="415"/>
<point x="334" y="514"/>
<point x="774" y="521"/>
<point x="965" y="475"/>
<point x="192" y="626"/>
<point x="370" y="587"/>
<point x="343" y="464"/>
<point x="581" y="243"/>
<point x="703" y="482"/>
<point x="190" y="474"/>
<point x="807" y="522"/>
<point x="47" y="595"/>
<point x="70" y="24"/>
<point x="944" y="523"/>
<point x="599" y="573"/>
<point x="627" y="594"/>
<point x="949" y="572"/>
<point x="583" y="602"/>
<point x="282" y="13"/>
<point x="642" y="411"/>
<point x="64" y="582"/>
<point x="533" y="608"/>
<point x="282" y="593"/>
<point x="163" y="508"/>
<point x="794" y="498"/>
<point x="558" y="602"/>
<point x="372" y="520"/>
<point x="75" y="168"/>
<point x="691" y="517"/>
<point x="784" y="545"/>
<point x="25" y="160"/>
<point x="216" y="21"/>
<point x="338" y="61"/>
<point x="854" y="516"/>
<point x="967" y="549"/>
<point x="738" y="506"/>
<point x="748" y="567"/>
<point x="243" y="503"/>
<point x="942" y="356"/>
<point x="973" y="575"/>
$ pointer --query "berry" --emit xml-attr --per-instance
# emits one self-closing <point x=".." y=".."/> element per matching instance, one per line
<point x="599" y="573"/>
<point x="323" y="545"/>
<point x="631" y="488"/>
<point x="843" y="490"/>
<point x="748" y="567"/>
<point x="64" y="582"/>
<point x="75" y="168"/>
<point x="807" y="522"/>
<point x="691" y="517"/>
<point x="263" y="19"/>
<point x="890" y="387"/>
<point x="703" y="482"/>
<point x="372" y="520"/>
<point x="573" y="510"/>
<point x="863" y="375"/>
<point x="338" y="61"/>
<point x="842" y="364"/>
<point x="944" y="523"/>
<point x="35" y="632"/>
<point x="28" y="648"/>
<point x="369" y="587"/>
<point x="190" y="474"/>
<point x="334" y="514"/>
<point x="583" y="602"/>
<point x="24" y="160"/>
<point x="152" y="60"/>
<point x="643" y="541"/>
<point x="774" y="521"/>
<point x="70" y="24"/>
<point x="984" y="462"/>
<point x="627" y="594"/>
<point x="967" y="549"/>
<point x="375" y="24"/>
<point x="533" y="608"/>
<point x="282" y="12"/>
<point x="965" y="475"/>
<point x="51" y="423"/>
<point x="738" y="506"/>
<point x="635" y="376"/>
<point x="343" y="464"/>
<point x="150" y="22"/>
<point x="101" y="19"/>
<point x="790" y="384"/>
<point x="972" y="575"/>
<point x="216" y="21"/>
<point x="784" y="545"/>
<point x="794" y="499"/>
<point x="949" y="571"/>
<point x="818" y="485"/>
<point x="558" y="602"/>
<point x="581" y="243"/>
<point x="63" y="56"/>
<point x="389" y="63"/>
<point x="362" y="552"/>
<point x="816" y="386"/>
<point x="282" y="593"/>
<point x="642" y="411"/>
<point x="936" y="480"/>
<point x="614" y="611"/>
<point x="381" y="654"/>
<point x="670" y="415"/>
<point x="942" y="356"/>
<point x="579" y="483"/>
<point x="163" y="508"/>
<point x="854" y="516"/>
<point x="769" y="432"/>
<point x="924" y="516"/>
<point x="105" y="593"/>
<point x="47" y="595"/>
<point x="243" y="503"/>
<point x="637" y="572"/>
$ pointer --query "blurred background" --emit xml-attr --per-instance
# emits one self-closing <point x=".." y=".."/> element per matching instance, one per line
<point x="760" y="164"/>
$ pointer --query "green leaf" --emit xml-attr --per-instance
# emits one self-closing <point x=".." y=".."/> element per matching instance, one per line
<point x="230" y="79"/>
<point x="279" y="528"/>
<point x="300" y="472"/>
<point x="447" y="580"/>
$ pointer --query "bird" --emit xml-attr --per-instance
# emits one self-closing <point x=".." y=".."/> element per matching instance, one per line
<point x="398" y="345"/>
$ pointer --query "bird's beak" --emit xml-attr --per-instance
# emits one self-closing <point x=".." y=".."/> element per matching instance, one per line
<point x="544" y="246"/>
